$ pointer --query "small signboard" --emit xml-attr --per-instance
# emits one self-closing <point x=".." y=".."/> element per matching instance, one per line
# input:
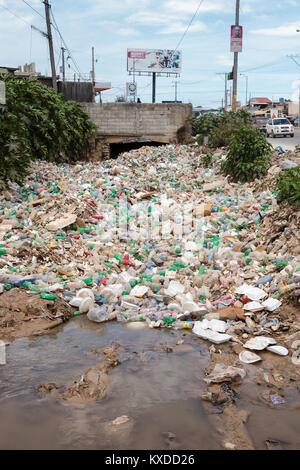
<point x="131" y="89"/>
<point x="236" y="38"/>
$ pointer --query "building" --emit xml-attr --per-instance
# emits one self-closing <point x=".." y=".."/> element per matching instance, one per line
<point x="258" y="104"/>
<point x="10" y="70"/>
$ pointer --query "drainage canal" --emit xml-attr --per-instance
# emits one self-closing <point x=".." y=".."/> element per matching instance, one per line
<point x="121" y="147"/>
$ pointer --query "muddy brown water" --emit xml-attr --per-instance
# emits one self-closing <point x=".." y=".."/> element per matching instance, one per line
<point x="160" y="391"/>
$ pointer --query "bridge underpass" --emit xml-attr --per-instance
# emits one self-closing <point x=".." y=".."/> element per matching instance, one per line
<point x="126" y="126"/>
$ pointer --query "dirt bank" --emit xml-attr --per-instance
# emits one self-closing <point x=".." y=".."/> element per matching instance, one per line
<point x="93" y="383"/>
<point x="25" y="314"/>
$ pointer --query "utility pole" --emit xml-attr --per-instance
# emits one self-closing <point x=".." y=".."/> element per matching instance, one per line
<point x="153" y="87"/>
<point x="246" y="76"/>
<point x="226" y="88"/>
<point x="236" y="60"/>
<point x="93" y="74"/>
<point x="63" y="64"/>
<point x="51" y="51"/>
<point x="176" y="85"/>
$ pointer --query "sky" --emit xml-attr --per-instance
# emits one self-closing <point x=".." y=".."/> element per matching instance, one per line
<point x="113" y="26"/>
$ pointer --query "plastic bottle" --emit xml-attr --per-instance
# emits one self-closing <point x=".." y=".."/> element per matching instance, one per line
<point x="97" y="315"/>
<point x="183" y="325"/>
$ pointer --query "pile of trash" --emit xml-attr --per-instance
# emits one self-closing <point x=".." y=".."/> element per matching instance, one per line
<point x="153" y="237"/>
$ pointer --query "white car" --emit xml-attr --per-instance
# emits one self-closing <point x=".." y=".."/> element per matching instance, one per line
<point x="279" y="127"/>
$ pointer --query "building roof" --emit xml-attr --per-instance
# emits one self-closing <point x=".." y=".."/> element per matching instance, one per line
<point x="261" y="100"/>
<point x="10" y="69"/>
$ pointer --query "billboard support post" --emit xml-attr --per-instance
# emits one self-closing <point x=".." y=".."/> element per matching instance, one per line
<point x="153" y="87"/>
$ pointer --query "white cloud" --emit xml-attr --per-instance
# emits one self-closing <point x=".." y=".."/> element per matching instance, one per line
<point x="178" y="27"/>
<point x="284" y="30"/>
<point x="116" y="28"/>
<point x="191" y="6"/>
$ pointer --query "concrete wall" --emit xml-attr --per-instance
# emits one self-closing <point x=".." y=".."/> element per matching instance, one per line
<point x="293" y="108"/>
<point x="132" y="122"/>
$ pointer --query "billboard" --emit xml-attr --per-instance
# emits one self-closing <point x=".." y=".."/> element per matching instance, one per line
<point x="154" y="60"/>
<point x="236" y="38"/>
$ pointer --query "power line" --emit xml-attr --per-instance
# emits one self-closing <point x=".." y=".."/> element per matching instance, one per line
<point x="15" y="14"/>
<point x="189" y="25"/>
<point x="24" y="21"/>
<point x="269" y="64"/>
<point x="28" y="4"/>
<point x="66" y="47"/>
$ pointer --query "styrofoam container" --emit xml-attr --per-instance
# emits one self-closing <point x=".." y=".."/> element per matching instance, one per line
<point x="259" y="343"/>
<point x="280" y="350"/>
<point x="271" y="304"/>
<point x="139" y="291"/>
<point x="253" y="307"/>
<point x="248" y="357"/>
<point x="253" y="293"/>
<point x="212" y="336"/>
<point x="218" y="325"/>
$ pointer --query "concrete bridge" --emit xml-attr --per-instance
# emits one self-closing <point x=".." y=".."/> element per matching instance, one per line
<point x="124" y="126"/>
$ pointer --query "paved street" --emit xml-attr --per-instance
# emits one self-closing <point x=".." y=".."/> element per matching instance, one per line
<point x="287" y="143"/>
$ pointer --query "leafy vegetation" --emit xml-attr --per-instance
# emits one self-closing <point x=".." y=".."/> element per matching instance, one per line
<point x="206" y="161"/>
<point x="249" y="156"/>
<point x="120" y="99"/>
<point x="220" y="128"/>
<point x="288" y="186"/>
<point x="37" y="123"/>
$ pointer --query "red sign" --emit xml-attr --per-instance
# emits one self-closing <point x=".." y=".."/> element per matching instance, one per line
<point x="236" y="38"/>
<point x="137" y="55"/>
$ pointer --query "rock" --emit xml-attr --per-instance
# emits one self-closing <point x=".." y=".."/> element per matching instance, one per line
<point x="121" y="421"/>
<point x="229" y="446"/>
<point x="223" y="373"/>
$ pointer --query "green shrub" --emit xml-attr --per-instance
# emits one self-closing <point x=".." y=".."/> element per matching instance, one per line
<point x="249" y="156"/>
<point x="220" y="128"/>
<point x="206" y="161"/>
<point x="288" y="187"/>
<point x="37" y="123"/>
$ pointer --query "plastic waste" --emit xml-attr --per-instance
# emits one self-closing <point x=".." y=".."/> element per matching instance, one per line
<point x="248" y="357"/>
<point x="253" y="293"/>
<point x="86" y="304"/>
<point x="212" y="336"/>
<point x="259" y="343"/>
<point x="271" y="304"/>
<point x="97" y="315"/>
<point x="280" y="350"/>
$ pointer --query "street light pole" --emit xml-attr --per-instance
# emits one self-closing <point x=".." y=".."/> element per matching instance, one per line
<point x="246" y="76"/>
<point x="294" y="60"/>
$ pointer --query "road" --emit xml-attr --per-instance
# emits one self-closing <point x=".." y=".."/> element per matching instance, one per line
<point x="287" y="143"/>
